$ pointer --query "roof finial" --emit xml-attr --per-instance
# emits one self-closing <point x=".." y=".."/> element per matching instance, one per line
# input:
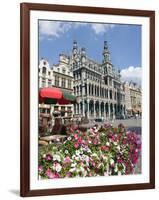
<point x="105" y="45"/>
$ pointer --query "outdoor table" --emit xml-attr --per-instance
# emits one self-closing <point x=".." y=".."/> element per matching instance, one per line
<point x="54" y="138"/>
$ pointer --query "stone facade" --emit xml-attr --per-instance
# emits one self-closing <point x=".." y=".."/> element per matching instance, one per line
<point x="58" y="76"/>
<point x="97" y="86"/>
<point x="133" y="96"/>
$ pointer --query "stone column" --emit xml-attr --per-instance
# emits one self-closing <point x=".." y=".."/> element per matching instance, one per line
<point x="74" y="109"/>
<point x="78" y="108"/>
<point x="104" y="112"/>
<point x="88" y="108"/>
<point x="87" y="89"/>
<point x="109" y="110"/>
<point x="108" y="94"/>
<point x="113" y="112"/>
<point x="83" y="107"/>
<point x="94" y="109"/>
<point x="83" y="90"/>
<point x="108" y="80"/>
<point x="99" y="109"/>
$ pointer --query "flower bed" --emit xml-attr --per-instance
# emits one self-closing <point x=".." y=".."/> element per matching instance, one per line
<point x="98" y="151"/>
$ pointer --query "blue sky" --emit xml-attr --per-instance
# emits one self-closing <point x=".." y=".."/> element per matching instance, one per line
<point x="124" y="43"/>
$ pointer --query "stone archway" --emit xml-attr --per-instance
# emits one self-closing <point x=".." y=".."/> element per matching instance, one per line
<point x="97" y="108"/>
<point x="102" y="109"/>
<point x="107" y="109"/>
<point x="91" y="107"/>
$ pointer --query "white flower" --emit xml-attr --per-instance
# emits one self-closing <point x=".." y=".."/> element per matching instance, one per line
<point x="116" y="168"/>
<point x="66" y="151"/>
<point x="111" y="161"/>
<point x="73" y="164"/>
<point x="104" y="157"/>
<point x="74" y="156"/>
<point x="119" y="173"/>
<point x="81" y="169"/>
<point x="94" y="155"/>
<point x="115" y="143"/>
<point x="118" y="148"/>
<point x="124" y="168"/>
<point x="90" y="141"/>
<point x="86" y="158"/>
<point x="57" y="157"/>
<point x="69" y="138"/>
<point x="84" y="173"/>
<point x="44" y="155"/>
<point x="81" y="152"/>
<point x="58" y="167"/>
<point x="77" y="152"/>
<point x="72" y="169"/>
<point x="108" y="144"/>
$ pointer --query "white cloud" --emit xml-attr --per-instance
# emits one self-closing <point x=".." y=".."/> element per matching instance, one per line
<point x="132" y="74"/>
<point x="50" y="28"/>
<point x="101" y="28"/>
<point x="53" y="29"/>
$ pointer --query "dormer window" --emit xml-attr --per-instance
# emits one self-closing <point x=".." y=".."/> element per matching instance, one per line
<point x="63" y="70"/>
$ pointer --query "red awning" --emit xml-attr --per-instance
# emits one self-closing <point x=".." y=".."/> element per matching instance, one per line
<point x="55" y="95"/>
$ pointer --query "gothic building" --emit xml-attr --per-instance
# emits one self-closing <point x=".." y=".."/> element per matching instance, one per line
<point x="97" y="85"/>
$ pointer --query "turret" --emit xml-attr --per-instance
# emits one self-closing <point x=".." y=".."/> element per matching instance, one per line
<point x="106" y="53"/>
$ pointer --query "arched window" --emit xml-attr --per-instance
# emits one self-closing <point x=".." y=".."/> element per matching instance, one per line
<point x="44" y="70"/>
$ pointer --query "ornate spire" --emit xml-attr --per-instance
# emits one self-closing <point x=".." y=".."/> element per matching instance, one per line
<point x="106" y="53"/>
<point x="105" y="45"/>
<point x="74" y="44"/>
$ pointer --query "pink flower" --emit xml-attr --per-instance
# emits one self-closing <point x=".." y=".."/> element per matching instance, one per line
<point x="93" y="163"/>
<point x="67" y="159"/>
<point x="68" y="174"/>
<point x="95" y="141"/>
<point x="56" y="175"/>
<point x="125" y="142"/>
<point x="40" y="168"/>
<point x="50" y="174"/>
<point x="104" y="148"/>
<point x="106" y="174"/>
<point x="90" y="174"/>
<point x="48" y="157"/>
<point x="119" y="160"/>
<point x="76" y="136"/>
<point x="76" y="145"/>
<point x="79" y="141"/>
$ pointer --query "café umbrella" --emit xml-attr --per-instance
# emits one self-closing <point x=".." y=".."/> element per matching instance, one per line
<point x="55" y="95"/>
